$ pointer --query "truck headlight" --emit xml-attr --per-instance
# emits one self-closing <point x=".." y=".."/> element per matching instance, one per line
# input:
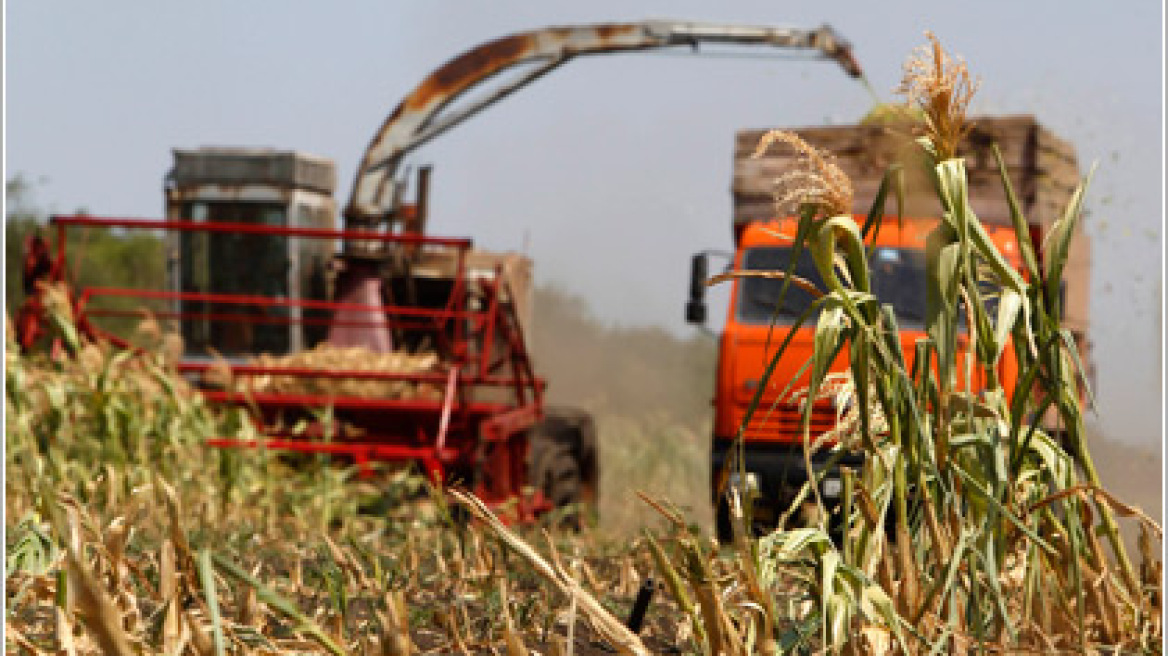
<point x="746" y="484"/>
<point x="832" y="487"/>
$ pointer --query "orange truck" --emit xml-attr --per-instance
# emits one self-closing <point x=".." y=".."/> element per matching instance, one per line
<point x="773" y="468"/>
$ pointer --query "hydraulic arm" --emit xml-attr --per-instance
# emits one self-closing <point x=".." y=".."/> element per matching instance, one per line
<point x="419" y="118"/>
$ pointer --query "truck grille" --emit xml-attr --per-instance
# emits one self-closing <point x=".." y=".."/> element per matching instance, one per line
<point x="782" y="424"/>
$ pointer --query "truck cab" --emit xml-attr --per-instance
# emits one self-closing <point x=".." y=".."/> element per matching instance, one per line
<point x="773" y="468"/>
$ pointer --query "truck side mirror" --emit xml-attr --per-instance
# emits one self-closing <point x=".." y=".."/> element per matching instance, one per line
<point x="695" y="309"/>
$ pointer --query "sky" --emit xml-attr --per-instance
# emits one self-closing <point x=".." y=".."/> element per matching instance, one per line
<point x="611" y="171"/>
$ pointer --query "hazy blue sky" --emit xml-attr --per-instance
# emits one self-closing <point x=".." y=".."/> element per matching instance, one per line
<point x="613" y="169"/>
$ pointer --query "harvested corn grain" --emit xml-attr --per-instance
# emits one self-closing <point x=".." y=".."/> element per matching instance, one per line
<point x="328" y="358"/>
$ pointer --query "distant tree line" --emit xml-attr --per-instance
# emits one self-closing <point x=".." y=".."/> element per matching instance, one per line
<point x="98" y="257"/>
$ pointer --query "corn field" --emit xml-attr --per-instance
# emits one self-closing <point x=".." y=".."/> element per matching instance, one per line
<point x="967" y="529"/>
<point x="126" y="535"/>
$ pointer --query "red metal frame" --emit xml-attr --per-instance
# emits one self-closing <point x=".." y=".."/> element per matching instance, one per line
<point x="485" y="441"/>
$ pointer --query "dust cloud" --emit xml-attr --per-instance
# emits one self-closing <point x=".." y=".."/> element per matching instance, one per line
<point x="1133" y="475"/>
<point x="650" y="393"/>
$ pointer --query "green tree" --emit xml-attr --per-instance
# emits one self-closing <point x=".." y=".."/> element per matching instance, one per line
<point x="21" y="221"/>
<point x="97" y="257"/>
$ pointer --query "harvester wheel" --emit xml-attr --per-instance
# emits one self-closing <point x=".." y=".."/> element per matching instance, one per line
<point x="562" y="459"/>
<point x="560" y="475"/>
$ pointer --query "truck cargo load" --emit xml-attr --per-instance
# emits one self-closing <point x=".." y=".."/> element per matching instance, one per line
<point x="1043" y="168"/>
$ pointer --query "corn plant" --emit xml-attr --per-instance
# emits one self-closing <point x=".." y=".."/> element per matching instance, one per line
<point x="996" y="524"/>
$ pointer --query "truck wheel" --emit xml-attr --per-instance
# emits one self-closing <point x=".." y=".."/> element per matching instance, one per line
<point x="723" y="527"/>
<point x="562" y="458"/>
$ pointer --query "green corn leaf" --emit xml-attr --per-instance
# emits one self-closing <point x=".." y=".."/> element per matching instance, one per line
<point x="1073" y="350"/>
<point x="970" y="232"/>
<point x="843" y="233"/>
<point x="828" y="341"/>
<point x="800" y="634"/>
<point x="207" y="579"/>
<point x="876" y="603"/>
<point x="1021" y="227"/>
<point x="789" y="545"/>
<point x="1075" y="538"/>
<point x="861" y="353"/>
<point x="893" y="179"/>
<point x="954" y="192"/>
<point x="1009" y="307"/>
<point x="1052" y="458"/>
<point x="942" y="258"/>
<point x="990" y="561"/>
<point x="976" y="486"/>
<point x="268" y="596"/>
<point x="930" y="150"/>
<point x="944" y="586"/>
<point x="1007" y="275"/>
<point x="802" y="233"/>
<point x="1058" y="243"/>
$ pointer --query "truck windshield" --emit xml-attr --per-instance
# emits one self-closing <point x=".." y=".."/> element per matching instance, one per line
<point x="897" y="275"/>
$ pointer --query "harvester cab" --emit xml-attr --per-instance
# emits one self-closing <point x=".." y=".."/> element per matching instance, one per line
<point x="265" y="189"/>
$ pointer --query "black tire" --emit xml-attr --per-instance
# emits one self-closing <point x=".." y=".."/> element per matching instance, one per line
<point x="562" y="459"/>
<point x="723" y="527"/>
<point x="559" y="475"/>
